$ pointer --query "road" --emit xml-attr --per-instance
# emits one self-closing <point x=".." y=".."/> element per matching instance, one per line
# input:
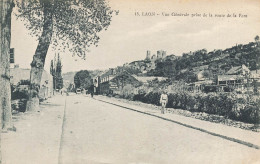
<point x="97" y="132"/>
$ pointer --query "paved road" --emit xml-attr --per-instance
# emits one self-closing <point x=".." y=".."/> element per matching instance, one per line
<point x="97" y="132"/>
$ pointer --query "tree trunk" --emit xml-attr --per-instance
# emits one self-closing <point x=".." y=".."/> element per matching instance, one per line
<point x="38" y="62"/>
<point x="1" y="70"/>
<point x="5" y="88"/>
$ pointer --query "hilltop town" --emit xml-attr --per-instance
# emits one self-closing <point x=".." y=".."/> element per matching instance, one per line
<point x="226" y="69"/>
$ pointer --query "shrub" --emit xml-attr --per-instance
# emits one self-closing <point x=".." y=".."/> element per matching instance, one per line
<point x="250" y="113"/>
<point x="153" y="98"/>
<point x="209" y="88"/>
<point x="191" y="103"/>
<point x="19" y="105"/>
<point x="170" y="101"/>
<point x="222" y="104"/>
<point x="228" y="89"/>
<point x="19" y="94"/>
<point x="139" y="97"/>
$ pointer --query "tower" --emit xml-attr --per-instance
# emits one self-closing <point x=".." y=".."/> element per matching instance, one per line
<point x="159" y="54"/>
<point x="163" y="54"/>
<point x="148" y="55"/>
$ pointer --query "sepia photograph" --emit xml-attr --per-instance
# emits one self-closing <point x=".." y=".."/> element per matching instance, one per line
<point x="129" y="82"/>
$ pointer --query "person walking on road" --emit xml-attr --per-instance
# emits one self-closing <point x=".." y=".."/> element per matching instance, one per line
<point x="163" y="101"/>
<point x="91" y="89"/>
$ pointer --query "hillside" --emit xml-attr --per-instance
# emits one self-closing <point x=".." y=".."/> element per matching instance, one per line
<point x="189" y="65"/>
<point x="211" y="63"/>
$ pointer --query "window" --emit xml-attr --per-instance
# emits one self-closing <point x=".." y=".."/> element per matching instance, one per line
<point x="12" y="55"/>
<point x="222" y="82"/>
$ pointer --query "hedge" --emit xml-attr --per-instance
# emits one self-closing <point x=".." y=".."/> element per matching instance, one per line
<point x="219" y="104"/>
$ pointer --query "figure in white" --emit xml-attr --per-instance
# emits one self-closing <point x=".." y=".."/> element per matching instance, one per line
<point x="163" y="101"/>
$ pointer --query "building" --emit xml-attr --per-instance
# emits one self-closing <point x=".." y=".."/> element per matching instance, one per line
<point x="46" y="90"/>
<point x="104" y="84"/>
<point x="160" y="54"/>
<point x="231" y="80"/>
<point x="17" y="74"/>
<point x="12" y="58"/>
<point x="153" y="58"/>
<point x="148" y="55"/>
<point x="236" y="78"/>
<point x="239" y="70"/>
<point x="163" y="54"/>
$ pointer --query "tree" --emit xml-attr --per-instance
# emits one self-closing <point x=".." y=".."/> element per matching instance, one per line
<point x="82" y="79"/>
<point x="52" y="72"/>
<point x="5" y="87"/>
<point x="56" y="72"/>
<point x="257" y="39"/>
<point x="6" y="7"/>
<point x="59" y="79"/>
<point x="125" y="78"/>
<point x="166" y="69"/>
<point x="188" y="77"/>
<point x="65" y="24"/>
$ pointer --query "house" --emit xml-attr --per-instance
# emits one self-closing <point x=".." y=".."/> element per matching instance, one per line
<point x="255" y="74"/>
<point x="231" y="80"/>
<point x="239" y="70"/>
<point x="46" y="89"/>
<point x="102" y="82"/>
<point x="255" y="79"/>
<point x="200" y="85"/>
<point x="124" y="78"/>
<point x="235" y="78"/>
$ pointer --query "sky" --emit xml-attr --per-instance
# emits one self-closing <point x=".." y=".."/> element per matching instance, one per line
<point x="129" y="36"/>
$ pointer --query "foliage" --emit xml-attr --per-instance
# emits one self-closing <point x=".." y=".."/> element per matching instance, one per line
<point x="24" y="82"/>
<point x="19" y="105"/>
<point x="220" y="104"/>
<point x="73" y="24"/>
<point x="20" y="91"/>
<point x="19" y="95"/>
<point x="210" y="88"/>
<point x="218" y="61"/>
<point x="56" y="72"/>
<point x="125" y="78"/>
<point x="166" y="69"/>
<point x="251" y="114"/>
<point x="59" y="82"/>
<point x="187" y="76"/>
<point x="82" y="79"/>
